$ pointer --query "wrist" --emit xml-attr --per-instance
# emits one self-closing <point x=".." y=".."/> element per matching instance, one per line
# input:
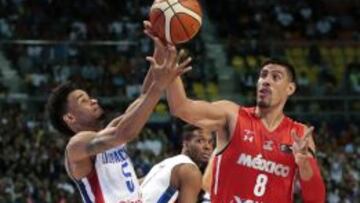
<point x="305" y="169"/>
<point x="157" y="87"/>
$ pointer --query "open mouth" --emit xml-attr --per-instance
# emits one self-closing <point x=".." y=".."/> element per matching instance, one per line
<point x="264" y="92"/>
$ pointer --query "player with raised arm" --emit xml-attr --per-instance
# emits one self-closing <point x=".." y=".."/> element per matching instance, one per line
<point x="95" y="155"/>
<point x="260" y="150"/>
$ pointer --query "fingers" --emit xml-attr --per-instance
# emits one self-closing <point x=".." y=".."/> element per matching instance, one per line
<point x="151" y="60"/>
<point x="158" y="43"/>
<point x="171" y="58"/>
<point x="301" y="144"/>
<point x="295" y="136"/>
<point x="147" y="24"/>
<point x="308" y="132"/>
<point x="185" y="70"/>
<point x="148" y="31"/>
<point x="182" y="54"/>
<point x="185" y="63"/>
<point x="306" y="136"/>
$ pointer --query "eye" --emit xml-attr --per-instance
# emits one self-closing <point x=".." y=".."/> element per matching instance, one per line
<point x="263" y="74"/>
<point x="276" y="77"/>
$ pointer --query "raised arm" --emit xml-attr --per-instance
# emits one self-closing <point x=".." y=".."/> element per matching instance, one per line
<point x="213" y="116"/>
<point x="312" y="184"/>
<point x="129" y="125"/>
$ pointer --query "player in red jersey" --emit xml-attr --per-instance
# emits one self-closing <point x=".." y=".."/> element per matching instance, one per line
<point x="261" y="151"/>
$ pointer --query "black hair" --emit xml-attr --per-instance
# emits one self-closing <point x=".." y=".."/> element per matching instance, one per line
<point x="289" y="68"/>
<point x="56" y="107"/>
<point x="187" y="132"/>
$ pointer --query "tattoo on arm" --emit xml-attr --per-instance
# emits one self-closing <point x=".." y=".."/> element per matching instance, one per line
<point x="98" y="145"/>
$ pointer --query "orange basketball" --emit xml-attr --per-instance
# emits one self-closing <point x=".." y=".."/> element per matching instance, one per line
<point x="176" y="21"/>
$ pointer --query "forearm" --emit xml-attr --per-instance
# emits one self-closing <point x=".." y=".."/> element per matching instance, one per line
<point x="135" y="118"/>
<point x="200" y="113"/>
<point x="147" y="81"/>
<point x="312" y="184"/>
<point x="176" y="95"/>
<point x="305" y="170"/>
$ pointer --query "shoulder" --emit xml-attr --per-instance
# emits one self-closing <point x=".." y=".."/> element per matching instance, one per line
<point x="78" y="142"/>
<point x="188" y="173"/>
<point x="80" y="138"/>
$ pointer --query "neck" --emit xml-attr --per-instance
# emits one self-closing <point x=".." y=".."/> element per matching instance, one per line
<point x="184" y="151"/>
<point x="93" y="127"/>
<point x="270" y="116"/>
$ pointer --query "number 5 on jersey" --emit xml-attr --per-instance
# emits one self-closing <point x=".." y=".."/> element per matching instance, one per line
<point x="260" y="185"/>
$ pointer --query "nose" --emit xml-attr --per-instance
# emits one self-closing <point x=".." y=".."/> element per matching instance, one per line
<point x="94" y="101"/>
<point x="208" y="146"/>
<point x="265" y="81"/>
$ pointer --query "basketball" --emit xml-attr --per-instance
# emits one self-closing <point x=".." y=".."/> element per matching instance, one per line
<point x="176" y="21"/>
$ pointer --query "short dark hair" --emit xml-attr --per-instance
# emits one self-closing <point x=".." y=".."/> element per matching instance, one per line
<point x="187" y="132"/>
<point x="56" y="107"/>
<point x="289" y="68"/>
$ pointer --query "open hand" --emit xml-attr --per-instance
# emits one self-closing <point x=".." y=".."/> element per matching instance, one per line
<point x="164" y="73"/>
<point x="159" y="46"/>
<point x="300" y="146"/>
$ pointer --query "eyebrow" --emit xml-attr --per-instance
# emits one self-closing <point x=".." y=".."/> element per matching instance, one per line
<point x="277" y="71"/>
<point x="79" y="96"/>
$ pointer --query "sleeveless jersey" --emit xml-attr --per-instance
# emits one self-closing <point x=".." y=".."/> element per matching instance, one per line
<point x="257" y="166"/>
<point x="156" y="186"/>
<point x="113" y="179"/>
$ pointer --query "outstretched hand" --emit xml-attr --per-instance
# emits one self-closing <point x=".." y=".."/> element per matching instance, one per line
<point x="160" y="47"/>
<point x="164" y="73"/>
<point x="301" y="145"/>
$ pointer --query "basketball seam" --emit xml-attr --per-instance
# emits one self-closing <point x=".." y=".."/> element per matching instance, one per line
<point x="190" y="17"/>
<point x="182" y="25"/>
<point x="188" y="7"/>
<point x="157" y="18"/>
<point x="163" y="11"/>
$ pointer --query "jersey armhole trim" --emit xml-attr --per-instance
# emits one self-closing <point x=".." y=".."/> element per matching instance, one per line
<point x="68" y="168"/>
<point x="231" y="136"/>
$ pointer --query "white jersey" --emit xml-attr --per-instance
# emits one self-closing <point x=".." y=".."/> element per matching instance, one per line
<point x="156" y="185"/>
<point x="113" y="179"/>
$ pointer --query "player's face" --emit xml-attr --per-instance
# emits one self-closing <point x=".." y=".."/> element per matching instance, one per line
<point x="83" y="109"/>
<point x="273" y="86"/>
<point x="200" y="146"/>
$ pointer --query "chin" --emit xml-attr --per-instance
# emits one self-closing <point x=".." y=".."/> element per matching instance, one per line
<point x="263" y="104"/>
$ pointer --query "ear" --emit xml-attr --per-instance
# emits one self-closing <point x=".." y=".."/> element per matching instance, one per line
<point x="69" y="118"/>
<point x="291" y="89"/>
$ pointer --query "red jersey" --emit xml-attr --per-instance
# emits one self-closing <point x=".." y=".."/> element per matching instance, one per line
<point x="257" y="166"/>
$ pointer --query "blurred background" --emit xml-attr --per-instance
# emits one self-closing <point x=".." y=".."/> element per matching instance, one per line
<point x="100" y="45"/>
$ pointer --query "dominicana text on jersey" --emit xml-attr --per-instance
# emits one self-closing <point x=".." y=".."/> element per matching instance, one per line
<point x="113" y="180"/>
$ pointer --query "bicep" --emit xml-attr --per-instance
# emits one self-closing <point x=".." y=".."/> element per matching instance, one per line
<point x="87" y="144"/>
<point x="205" y="114"/>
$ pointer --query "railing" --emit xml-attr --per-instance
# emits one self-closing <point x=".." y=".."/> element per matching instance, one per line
<point x="306" y="107"/>
<point x="346" y="107"/>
